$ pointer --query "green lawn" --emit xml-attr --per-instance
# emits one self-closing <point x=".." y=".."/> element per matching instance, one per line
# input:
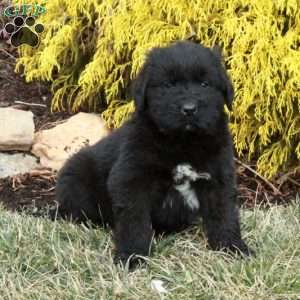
<point x="44" y="260"/>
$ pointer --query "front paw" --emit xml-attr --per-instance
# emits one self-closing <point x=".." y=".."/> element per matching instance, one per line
<point x="131" y="260"/>
<point x="236" y="247"/>
<point x="241" y="248"/>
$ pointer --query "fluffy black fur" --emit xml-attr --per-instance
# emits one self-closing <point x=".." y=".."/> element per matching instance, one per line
<point x="127" y="179"/>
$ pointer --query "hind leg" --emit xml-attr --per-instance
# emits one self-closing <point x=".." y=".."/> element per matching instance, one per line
<point x="76" y="202"/>
<point x="81" y="191"/>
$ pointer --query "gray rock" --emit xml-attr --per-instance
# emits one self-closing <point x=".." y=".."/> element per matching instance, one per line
<point x="16" y="129"/>
<point x="13" y="164"/>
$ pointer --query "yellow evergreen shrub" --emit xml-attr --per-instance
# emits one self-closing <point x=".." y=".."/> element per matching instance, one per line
<point x="91" y="49"/>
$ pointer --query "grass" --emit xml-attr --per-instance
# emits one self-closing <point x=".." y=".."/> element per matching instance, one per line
<point x="40" y="259"/>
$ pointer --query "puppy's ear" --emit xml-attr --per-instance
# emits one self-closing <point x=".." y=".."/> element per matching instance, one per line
<point x="228" y="87"/>
<point x="139" y="87"/>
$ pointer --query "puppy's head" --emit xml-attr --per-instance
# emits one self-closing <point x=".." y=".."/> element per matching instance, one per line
<point x="183" y="87"/>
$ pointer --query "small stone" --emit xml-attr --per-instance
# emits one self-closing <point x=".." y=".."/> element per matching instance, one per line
<point x="158" y="286"/>
<point x="19" y="163"/>
<point x="54" y="146"/>
<point x="16" y="129"/>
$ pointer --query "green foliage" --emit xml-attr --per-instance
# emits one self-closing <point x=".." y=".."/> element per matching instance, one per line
<point x="92" y="49"/>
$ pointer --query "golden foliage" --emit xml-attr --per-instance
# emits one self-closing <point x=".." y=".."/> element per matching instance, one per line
<point x="91" y="49"/>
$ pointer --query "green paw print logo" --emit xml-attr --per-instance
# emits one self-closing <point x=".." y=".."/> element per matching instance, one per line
<point x="24" y="31"/>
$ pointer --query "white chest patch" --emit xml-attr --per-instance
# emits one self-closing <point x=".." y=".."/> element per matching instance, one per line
<point x="183" y="175"/>
<point x="188" y="194"/>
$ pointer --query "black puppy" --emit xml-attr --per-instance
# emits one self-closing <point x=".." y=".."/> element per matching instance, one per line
<point x="170" y="163"/>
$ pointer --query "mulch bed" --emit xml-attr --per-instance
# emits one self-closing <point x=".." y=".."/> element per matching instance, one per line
<point x="32" y="192"/>
<point x="35" y="192"/>
<point x="17" y="93"/>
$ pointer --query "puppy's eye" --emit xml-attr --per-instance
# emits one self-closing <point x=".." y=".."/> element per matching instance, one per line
<point x="204" y="84"/>
<point x="168" y="85"/>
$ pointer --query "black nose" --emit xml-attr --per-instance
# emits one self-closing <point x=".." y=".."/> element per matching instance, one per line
<point x="189" y="109"/>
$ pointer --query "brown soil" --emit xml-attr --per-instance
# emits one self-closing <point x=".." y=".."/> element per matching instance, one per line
<point x="14" y="91"/>
<point x="34" y="192"/>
